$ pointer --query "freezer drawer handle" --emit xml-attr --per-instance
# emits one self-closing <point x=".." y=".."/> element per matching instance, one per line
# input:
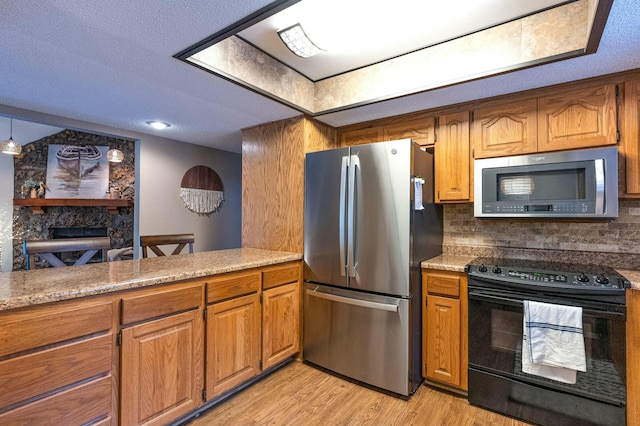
<point x="356" y="302"/>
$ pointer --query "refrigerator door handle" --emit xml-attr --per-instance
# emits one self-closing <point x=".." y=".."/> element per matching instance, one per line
<point x="355" y="302"/>
<point x="352" y="261"/>
<point x="343" y="213"/>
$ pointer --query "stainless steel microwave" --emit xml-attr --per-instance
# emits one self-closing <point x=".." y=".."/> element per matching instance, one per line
<point x="566" y="184"/>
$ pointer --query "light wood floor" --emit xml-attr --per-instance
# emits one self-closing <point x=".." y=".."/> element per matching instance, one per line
<point x="298" y="394"/>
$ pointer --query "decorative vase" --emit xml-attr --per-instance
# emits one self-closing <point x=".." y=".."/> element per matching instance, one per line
<point x="33" y="193"/>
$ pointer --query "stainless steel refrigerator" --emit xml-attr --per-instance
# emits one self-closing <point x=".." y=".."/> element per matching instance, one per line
<point x="368" y="223"/>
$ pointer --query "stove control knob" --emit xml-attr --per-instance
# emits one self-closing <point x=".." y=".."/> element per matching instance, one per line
<point x="583" y="278"/>
<point x="482" y="268"/>
<point x="496" y="270"/>
<point x="601" y="279"/>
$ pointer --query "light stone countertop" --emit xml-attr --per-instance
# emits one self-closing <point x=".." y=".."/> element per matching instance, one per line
<point x="631" y="275"/>
<point x="447" y="262"/>
<point x="25" y="288"/>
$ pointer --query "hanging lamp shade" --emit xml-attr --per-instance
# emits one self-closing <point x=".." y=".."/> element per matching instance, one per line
<point x="115" y="155"/>
<point x="10" y="146"/>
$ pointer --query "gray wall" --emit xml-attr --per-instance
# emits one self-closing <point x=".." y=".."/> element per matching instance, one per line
<point x="162" y="165"/>
<point x="6" y="210"/>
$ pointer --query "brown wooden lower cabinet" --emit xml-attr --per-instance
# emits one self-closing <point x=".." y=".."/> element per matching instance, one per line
<point x="86" y="403"/>
<point x="444" y="328"/>
<point x="161" y="369"/>
<point x="139" y="357"/>
<point x="56" y="363"/>
<point x="281" y="323"/>
<point x="253" y="323"/>
<point x="233" y="343"/>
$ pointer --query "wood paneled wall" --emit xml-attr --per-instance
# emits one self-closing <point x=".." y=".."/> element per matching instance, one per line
<point x="273" y="181"/>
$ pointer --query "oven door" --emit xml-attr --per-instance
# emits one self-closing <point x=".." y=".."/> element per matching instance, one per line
<point x="495" y="353"/>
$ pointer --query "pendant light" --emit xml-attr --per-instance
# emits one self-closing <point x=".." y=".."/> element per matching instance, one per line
<point x="10" y="146"/>
<point x="115" y="155"/>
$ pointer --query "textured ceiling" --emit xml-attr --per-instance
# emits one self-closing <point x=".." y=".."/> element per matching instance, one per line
<point x="111" y="63"/>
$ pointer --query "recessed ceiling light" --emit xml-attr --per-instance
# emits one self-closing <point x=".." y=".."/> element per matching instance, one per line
<point x="158" y="124"/>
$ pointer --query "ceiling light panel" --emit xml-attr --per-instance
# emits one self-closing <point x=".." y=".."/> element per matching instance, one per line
<point x="297" y="41"/>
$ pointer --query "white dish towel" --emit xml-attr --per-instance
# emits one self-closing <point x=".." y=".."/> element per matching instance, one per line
<point x="553" y="341"/>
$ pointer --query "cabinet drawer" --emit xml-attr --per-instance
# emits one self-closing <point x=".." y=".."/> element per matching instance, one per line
<point x="232" y="285"/>
<point x="443" y="283"/>
<point x="161" y="302"/>
<point x="279" y="275"/>
<point x="79" y="405"/>
<point x="44" y="325"/>
<point x="27" y="376"/>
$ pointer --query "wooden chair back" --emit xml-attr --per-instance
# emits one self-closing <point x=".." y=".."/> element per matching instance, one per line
<point x="151" y="242"/>
<point x="46" y="249"/>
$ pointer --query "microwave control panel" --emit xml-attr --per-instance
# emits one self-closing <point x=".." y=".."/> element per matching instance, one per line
<point x="557" y="208"/>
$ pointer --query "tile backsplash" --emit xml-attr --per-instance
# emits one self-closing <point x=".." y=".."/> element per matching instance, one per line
<point x="616" y="241"/>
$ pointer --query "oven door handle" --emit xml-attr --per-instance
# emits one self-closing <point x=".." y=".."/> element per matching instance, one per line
<point x="491" y="298"/>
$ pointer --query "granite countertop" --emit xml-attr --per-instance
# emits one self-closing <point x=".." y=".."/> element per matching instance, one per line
<point x="449" y="262"/>
<point x="631" y="275"/>
<point x="24" y="288"/>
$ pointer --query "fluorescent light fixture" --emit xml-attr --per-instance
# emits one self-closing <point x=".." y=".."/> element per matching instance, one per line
<point x="10" y="146"/>
<point x="297" y="41"/>
<point x="115" y="156"/>
<point x="158" y="124"/>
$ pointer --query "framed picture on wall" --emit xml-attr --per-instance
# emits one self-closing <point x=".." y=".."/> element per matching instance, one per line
<point x="77" y="171"/>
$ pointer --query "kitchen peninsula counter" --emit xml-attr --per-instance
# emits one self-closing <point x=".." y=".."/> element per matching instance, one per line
<point x="25" y="288"/>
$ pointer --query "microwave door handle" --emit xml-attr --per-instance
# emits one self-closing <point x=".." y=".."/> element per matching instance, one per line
<point x="344" y="169"/>
<point x="599" y="169"/>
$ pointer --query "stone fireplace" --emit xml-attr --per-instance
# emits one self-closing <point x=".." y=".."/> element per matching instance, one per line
<point x="72" y="221"/>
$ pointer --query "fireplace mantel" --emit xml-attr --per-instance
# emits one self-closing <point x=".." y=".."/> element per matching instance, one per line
<point x="38" y="204"/>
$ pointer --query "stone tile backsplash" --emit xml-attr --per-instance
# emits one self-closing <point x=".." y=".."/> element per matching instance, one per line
<point x="614" y="242"/>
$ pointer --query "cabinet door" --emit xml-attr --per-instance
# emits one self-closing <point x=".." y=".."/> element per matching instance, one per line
<point x="506" y="129"/>
<point x="443" y="340"/>
<point x="577" y="119"/>
<point x="161" y="370"/>
<point x="233" y="343"/>
<point x="630" y="144"/>
<point x="421" y="130"/>
<point x="281" y="323"/>
<point x="360" y="136"/>
<point x="452" y="160"/>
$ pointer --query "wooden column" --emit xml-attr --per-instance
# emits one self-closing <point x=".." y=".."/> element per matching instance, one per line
<point x="273" y="181"/>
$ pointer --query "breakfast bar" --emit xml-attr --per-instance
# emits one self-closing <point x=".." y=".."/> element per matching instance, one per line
<point x="144" y="340"/>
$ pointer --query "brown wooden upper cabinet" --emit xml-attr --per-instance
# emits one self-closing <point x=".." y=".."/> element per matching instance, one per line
<point x="577" y="118"/>
<point x="505" y="129"/>
<point x="362" y="136"/>
<point x="630" y="143"/>
<point x="419" y="129"/>
<point x="453" y="165"/>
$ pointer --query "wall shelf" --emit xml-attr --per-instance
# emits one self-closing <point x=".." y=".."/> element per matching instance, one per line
<point x="37" y="205"/>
